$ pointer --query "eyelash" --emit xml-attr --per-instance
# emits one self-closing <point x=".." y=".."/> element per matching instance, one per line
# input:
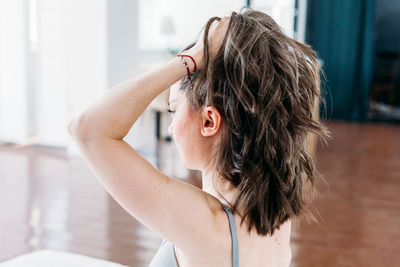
<point x="170" y="111"/>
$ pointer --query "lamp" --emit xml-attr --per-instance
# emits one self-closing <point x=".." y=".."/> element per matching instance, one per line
<point x="167" y="28"/>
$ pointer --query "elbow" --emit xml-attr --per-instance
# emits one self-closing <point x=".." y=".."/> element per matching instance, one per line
<point x="76" y="129"/>
<point x="82" y="129"/>
<point x="73" y="129"/>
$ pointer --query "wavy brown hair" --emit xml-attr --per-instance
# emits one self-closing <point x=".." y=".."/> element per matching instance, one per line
<point x="265" y="86"/>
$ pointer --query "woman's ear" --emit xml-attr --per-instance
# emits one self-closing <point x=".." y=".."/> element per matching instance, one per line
<point x="211" y="121"/>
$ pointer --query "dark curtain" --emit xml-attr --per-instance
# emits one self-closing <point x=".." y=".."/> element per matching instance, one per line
<point x="341" y="32"/>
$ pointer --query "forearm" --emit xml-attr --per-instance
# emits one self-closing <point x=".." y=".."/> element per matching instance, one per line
<point x="115" y="113"/>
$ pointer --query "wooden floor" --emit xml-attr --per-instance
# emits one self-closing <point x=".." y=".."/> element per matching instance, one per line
<point x="50" y="200"/>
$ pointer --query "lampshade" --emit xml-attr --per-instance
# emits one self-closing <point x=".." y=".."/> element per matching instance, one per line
<point x="167" y="25"/>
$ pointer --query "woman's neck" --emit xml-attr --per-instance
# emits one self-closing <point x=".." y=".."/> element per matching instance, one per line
<point x="222" y="189"/>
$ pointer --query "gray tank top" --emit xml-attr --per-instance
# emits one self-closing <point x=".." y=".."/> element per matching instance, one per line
<point x="165" y="255"/>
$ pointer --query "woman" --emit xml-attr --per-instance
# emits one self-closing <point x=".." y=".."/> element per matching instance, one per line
<point x="243" y="99"/>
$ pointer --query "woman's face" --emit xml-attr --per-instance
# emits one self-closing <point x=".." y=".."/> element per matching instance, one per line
<point x="185" y="129"/>
<point x="196" y="134"/>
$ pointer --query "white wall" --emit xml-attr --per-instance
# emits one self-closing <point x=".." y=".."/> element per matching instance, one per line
<point x="302" y="20"/>
<point x="71" y="63"/>
<point x="53" y="64"/>
<point x="281" y="11"/>
<point x="86" y="60"/>
<point x="13" y="94"/>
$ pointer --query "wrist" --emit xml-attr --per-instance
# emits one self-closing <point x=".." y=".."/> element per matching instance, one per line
<point x="178" y="64"/>
<point x="197" y="56"/>
<point x="188" y="62"/>
<point x="184" y="61"/>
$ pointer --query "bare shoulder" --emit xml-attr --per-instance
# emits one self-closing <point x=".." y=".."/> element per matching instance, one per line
<point x="212" y="244"/>
<point x="254" y="249"/>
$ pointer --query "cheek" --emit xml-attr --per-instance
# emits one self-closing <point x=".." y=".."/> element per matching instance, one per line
<point x="185" y="138"/>
<point x="180" y="126"/>
<point x="184" y="128"/>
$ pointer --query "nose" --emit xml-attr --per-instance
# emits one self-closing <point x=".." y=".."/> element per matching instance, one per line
<point x="170" y="130"/>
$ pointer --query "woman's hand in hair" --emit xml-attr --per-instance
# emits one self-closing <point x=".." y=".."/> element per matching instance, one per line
<point x="216" y="36"/>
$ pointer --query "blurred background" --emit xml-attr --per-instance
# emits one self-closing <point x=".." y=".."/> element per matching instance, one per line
<point x="57" y="57"/>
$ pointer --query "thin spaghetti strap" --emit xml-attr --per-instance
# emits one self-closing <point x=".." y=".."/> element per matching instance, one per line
<point x="235" y="248"/>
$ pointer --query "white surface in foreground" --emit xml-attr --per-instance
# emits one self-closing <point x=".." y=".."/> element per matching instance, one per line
<point x="52" y="258"/>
